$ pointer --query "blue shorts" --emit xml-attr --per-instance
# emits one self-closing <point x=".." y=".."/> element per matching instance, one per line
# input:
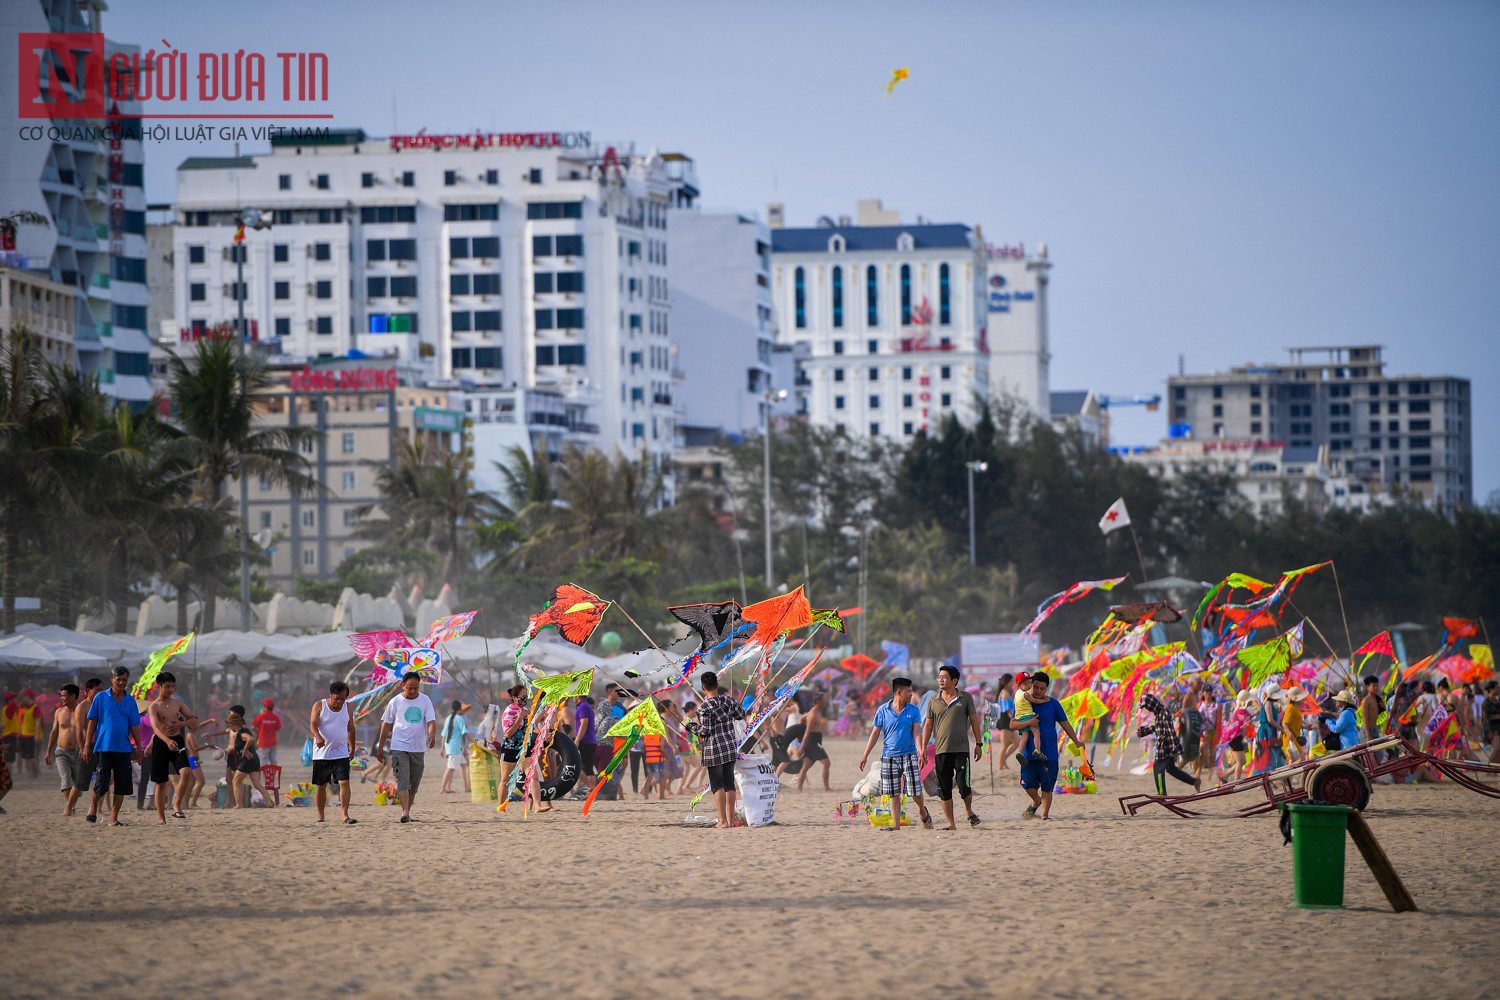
<point x="1039" y="774"/>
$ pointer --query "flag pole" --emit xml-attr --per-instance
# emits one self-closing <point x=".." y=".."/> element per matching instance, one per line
<point x="1134" y="538"/>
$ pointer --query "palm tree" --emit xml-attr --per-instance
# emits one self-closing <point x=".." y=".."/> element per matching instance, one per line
<point x="213" y="395"/>
<point x="428" y="502"/>
<point x="23" y="401"/>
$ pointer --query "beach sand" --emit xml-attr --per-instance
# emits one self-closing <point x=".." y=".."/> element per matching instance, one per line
<point x="629" y="903"/>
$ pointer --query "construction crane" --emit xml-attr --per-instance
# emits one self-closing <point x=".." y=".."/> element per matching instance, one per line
<point x="1152" y="403"/>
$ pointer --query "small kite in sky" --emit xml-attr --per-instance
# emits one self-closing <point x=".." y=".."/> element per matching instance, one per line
<point x="897" y="75"/>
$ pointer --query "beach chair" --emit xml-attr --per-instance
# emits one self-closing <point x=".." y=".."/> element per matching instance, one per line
<point x="271" y="775"/>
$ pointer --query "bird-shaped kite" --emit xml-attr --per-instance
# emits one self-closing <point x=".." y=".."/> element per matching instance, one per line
<point x="713" y="623"/>
<point x="573" y="611"/>
<point x="367" y="644"/>
<point x="897" y="75"/>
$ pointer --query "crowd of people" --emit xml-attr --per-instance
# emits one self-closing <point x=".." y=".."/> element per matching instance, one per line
<point x="96" y="736"/>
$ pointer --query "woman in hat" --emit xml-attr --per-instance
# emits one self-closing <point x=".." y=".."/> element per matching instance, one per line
<point x="1345" y="725"/>
<point x="1291" y="725"/>
<point x="455" y="736"/>
<point x="1268" y="734"/>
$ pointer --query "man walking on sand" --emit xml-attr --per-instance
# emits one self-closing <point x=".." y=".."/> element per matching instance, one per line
<point x="411" y="723"/>
<point x="62" y="746"/>
<point x="715" y="732"/>
<point x="897" y="723"/>
<point x="170" y="720"/>
<point x="952" y="717"/>
<point x="332" y="728"/>
<point x="1039" y="777"/>
<point x="112" y="741"/>
<point x="267" y="725"/>
<point x="812" y="742"/>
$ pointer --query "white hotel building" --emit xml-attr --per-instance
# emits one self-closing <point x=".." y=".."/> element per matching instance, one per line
<point x="888" y="323"/>
<point x="531" y="263"/>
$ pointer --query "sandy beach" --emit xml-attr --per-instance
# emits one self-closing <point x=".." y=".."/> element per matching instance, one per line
<point x="629" y="903"/>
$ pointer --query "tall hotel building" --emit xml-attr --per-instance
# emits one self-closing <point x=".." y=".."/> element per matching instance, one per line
<point x="887" y="321"/>
<point x="1411" y="432"/>
<point x="531" y="262"/>
<point x="86" y="179"/>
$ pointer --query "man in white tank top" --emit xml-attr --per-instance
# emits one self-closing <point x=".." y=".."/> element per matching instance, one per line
<point x="332" y="726"/>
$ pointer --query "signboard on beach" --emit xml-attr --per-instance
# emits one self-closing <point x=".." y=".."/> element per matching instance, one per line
<point x="986" y="656"/>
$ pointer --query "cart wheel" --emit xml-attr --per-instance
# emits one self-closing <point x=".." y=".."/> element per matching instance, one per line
<point x="1340" y="784"/>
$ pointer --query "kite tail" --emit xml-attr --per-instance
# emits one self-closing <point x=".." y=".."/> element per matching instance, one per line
<point x="544" y="733"/>
<point x="692" y="661"/>
<point x="702" y="792"/>
<point x="609" y="770"/>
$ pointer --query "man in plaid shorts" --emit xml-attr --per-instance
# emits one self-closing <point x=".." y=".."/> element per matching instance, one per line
<point x="715" y="731"/>
<point x="898" y="722"/>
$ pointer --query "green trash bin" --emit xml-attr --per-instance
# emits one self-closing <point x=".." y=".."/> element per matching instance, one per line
<point x="1318" y="855"/>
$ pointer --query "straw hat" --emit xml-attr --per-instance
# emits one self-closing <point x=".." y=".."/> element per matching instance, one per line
<point x="1344" y="697"/>
<point x="1295" y="693"/>
<point x="1244" y="699"/>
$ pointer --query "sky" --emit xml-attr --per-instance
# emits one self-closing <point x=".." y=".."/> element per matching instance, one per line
<point x="1215" y="182"/>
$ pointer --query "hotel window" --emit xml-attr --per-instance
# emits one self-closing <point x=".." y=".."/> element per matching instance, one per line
<point x="799" y="285"/>
<point x="322" y="251"/>
<point x="906" y="400"/>
<point x="487" y="357"/>
<point x="309" y="556"/>
<point x="408" y="178"/>
<point x="874" y="402"/>
<point x="450" y="178"/>
<point x="838" y="402"/>
<point x="265" y="519"/>
<point x="947" y="399"/>
<point x="874" y="430"/>
<point x="463" y="357"/>
<point x="838" y="296"/>
<point x="284" y="182"/>
<point x="404" y="286"/>
<point x="838" y="374"/>
<point x="308" y="519"/>
<point x="280" y="253"/>
<point x="486" y="247"/>
<point x="570" y="319"/>
<point x="283" y="289"/>
<point x="872" y="296"/>
<point x="374" y="287"/>
<point x="324" y="290"/>
<point x="197" y="291"/>
<point x="324" y="324"/>
<point x="283" y="326"/>
<point x="195" y="254"/>
<point x="349" y="480"/>
<point x="458" y="284"/>
<point x="348" y="442"/>
<point x="487" y="320"/>
<point x="306" y="445"/>
<point x="367" y="180"/>
<point x="905" y="294"/>
<point x="492" y="177"/>
<point x="570" y="281"/>
<point x="569" y="246"/>
<point x="374" y="249"/>
<point x="351" y="517"/>
<point x="322" y="182"/>
<point x="873" y="373"/>
<point x="838" y="347"/>
<point x="458" y="247"/>
<point x="554" y="210"/>
<point x="945" y="297"/>
<point x="402" y="249"/>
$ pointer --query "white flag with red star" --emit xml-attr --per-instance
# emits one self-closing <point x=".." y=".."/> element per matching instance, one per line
<point x="1116" y="517"/>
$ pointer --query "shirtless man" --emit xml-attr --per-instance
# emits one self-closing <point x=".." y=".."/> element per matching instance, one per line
<point x="62" y="747"/>
<point x="170" y="720"/>
<point x="812" y="743"/>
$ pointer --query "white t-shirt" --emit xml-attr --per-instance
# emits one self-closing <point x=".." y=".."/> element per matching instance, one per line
<point x="335" y="729"/>
<point x="408" y="718"/>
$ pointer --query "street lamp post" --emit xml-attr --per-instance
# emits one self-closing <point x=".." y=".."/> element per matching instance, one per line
<point x="973" y="467"/>
<point x="768" y="397"/>
<point x="250" y="219"/>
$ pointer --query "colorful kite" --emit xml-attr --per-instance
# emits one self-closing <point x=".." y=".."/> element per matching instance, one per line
<point x="449" y="628"/>
<point x="573" y="611"/>
<point x="157" y="661"/>
<point x="643" y="717"/>
<point x="557" y="687"/>
<point x="832" y="617"/>
<point x="896" y="654"/>
<point x="1073" y="593"/>
<point x="897" y="76"/>
<point x="423" y="661"/>
<point x="367" y="644"/>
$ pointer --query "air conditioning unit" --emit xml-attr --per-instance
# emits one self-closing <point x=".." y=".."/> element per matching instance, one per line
<point x="312" y="288"/>
<point x="312" y="325"/>
<point x="484" y="298"/>
<point x="308" y="249"/>
<point x="403" y="300"/>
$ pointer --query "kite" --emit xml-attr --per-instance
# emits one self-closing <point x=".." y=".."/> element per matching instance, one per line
<point x="556" y="687"/>
<point x="573" y="611"/>
<point x="425" y="662"/>
<point x="609" y="769"/>
<point x="1150" y="611"/>
<point x="1460" y="628"/>
<point x="1381" y="644"/>
<point x="1085" y="705"/>
<point x="1073" y="593"/>
<point x="643" y="717"/>
<point x="861" y="666"/>
<point x="367" y="644"/>
<point x="786" y="613"/>
<point x="897" y="75"/>
<point x="832" y="617"/>
<point x="1272" y="657"/>
<point x="449" y="628"/>
<point x="714" y="624"/>
<point x="158" y="660"/>
<point x="779" y="699"/>
<point x="896" y="654"/>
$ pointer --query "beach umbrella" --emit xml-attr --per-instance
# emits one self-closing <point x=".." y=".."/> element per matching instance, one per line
<point x="116" y="650"/>
<point x="28" y="651"/>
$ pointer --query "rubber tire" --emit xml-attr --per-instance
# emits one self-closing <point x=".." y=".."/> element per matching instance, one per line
<point x="567" y="774"/>
<point x="1339" y="784"/>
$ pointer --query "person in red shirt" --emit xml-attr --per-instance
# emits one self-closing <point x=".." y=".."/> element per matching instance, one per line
<point x="267" y="724"/>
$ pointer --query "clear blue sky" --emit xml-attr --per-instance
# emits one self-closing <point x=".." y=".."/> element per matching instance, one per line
<point x="1216" y="180"/>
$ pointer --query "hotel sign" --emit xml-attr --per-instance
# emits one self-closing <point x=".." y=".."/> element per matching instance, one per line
<point x="343" y="380"/>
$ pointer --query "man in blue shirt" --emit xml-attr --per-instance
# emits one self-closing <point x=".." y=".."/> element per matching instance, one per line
<point x="898" y="721"/>
<point x="1039" y="777"/>
<point x="113" y="740"/>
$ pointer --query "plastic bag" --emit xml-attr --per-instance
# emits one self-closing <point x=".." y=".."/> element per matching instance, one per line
<point x="307" y="752"/>
<point x="484" y="774"/>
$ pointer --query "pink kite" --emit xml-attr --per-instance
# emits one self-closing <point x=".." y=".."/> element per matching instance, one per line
<point x="367" y="644"/>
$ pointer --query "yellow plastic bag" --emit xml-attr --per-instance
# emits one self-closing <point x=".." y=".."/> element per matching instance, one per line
<point x="484" y="774"/>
